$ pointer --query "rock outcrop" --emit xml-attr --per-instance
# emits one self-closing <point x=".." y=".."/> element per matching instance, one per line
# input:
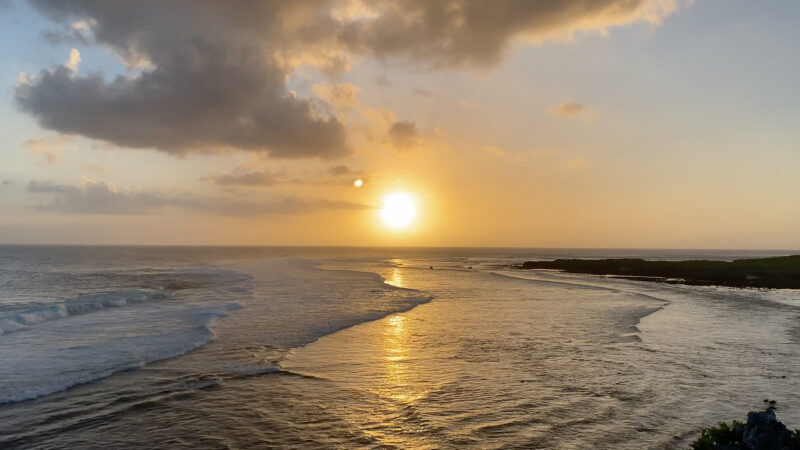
<point x="763" y="432"/>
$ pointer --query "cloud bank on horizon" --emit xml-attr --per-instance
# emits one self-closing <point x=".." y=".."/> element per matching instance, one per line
<point x="212" y="76"/>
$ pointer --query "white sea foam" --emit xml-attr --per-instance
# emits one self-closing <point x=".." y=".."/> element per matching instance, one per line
<point x="20" y="320"/>
<point x="63" y="366"/>
<point x="49" y="347"/>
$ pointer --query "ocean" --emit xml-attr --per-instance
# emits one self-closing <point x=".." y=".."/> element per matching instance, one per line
<point x="271" y="347"/>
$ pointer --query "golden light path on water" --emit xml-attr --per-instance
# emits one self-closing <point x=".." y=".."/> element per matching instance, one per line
<point x="396" y="279"/>
<point x="398" y="381"/>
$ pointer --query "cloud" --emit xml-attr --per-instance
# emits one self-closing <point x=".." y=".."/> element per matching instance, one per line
<point x="163" y="109"/>
<point x="258" y="178"/>
<point x="254" y="178"/>
<point x="571" y="109"/>
<point x="340" y="170"/>
<point x="101" y="197"/>
<point x="423" y="92"/>
<point x="39" y="187"/>
<point x="403" y="135"/>
<point x="214" y="81"/>
<point x="339" y="95"/>
<point x="385" y="131"/>
<point x="478" y="32"/>
<point x="49" y="147"/>
<point x="98" y="197"/>
<point x="382" y="81"/>
<point x="283" y="206"/>
<point x="211" y="76"/>
<point x="74" y="60"/>
<point x="7" y="182"/>
<point x="23" y="78"/>
<point x="567" y="109"/>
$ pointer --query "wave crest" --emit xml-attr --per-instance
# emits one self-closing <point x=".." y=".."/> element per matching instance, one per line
<point x="21" y="320"/>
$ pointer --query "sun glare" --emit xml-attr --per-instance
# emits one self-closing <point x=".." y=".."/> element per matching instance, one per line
<point x="398" y="210"/>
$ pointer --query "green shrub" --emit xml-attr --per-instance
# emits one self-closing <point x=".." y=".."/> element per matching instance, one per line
<point x="721" y="434"/>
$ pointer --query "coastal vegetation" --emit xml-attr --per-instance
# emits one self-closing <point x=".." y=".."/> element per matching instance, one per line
<point x="778" y="272"/>
<point x="761" y="431"/>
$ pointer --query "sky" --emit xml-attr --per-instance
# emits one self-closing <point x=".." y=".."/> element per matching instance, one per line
<point x="511" y="123"/>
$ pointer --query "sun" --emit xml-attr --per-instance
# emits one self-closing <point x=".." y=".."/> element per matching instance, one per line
<point x="398" y="210"/>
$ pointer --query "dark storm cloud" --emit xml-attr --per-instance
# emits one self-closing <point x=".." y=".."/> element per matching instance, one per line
<point x="99" y="197"/>
<point x="213" y="74"/>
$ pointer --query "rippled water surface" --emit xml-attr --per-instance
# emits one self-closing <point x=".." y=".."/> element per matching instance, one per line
<point x="365" y="348"/>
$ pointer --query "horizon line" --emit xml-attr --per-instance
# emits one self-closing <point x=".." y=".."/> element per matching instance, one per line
<point x="390" y="247"/>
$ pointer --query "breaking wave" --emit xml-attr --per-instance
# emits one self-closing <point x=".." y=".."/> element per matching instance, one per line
<point x="20" y="320"/>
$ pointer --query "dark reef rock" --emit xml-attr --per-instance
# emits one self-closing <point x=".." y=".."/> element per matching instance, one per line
<point x="762" y="431"/>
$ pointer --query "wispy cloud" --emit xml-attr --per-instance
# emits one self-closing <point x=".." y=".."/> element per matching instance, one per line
<point x="244" y="177"/>
<point x="340" y="170"/>
<point x="101" y="197"/>
<point x="338" y="95"/>
<point x="49" y="147"/>
<point x="252" y="178"/>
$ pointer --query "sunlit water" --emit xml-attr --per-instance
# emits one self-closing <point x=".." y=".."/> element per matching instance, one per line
<point x="244" y="348"/>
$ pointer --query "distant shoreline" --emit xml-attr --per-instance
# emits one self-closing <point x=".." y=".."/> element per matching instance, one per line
<point x="781" y="272"/>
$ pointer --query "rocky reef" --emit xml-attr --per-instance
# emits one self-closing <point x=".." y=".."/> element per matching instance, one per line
<point x="762" y="431"/>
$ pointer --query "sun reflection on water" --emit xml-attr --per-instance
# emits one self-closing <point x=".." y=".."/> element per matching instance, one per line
<point x="401" y="384"/>
<point x="396" y="278"/>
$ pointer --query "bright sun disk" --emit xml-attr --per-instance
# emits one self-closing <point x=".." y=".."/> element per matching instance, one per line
<point x="398" y="210"/>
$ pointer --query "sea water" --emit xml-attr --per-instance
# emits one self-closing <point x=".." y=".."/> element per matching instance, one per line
<point x="104" y="347"/>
